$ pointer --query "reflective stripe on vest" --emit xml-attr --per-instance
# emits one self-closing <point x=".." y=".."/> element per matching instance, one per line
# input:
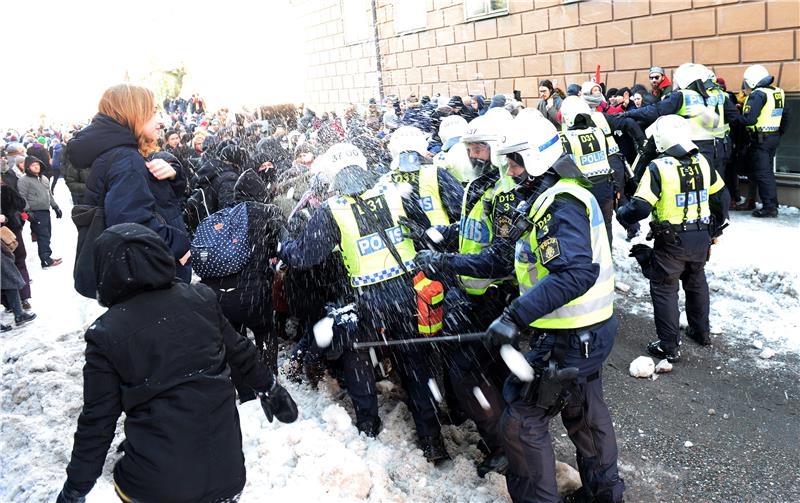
<point x="684" y="190"/>
<point x="366" y="257"/>
<point x="475" y="233"/>
<point x="587" y="147"/>
<point x="601" y="122"/>
<point x="597" y="304"/>
<point x="769" y="120"/>
<point x="706" y="118"/>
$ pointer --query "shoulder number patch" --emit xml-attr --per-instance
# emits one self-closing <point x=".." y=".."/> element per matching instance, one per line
<point x="548" y="250"/>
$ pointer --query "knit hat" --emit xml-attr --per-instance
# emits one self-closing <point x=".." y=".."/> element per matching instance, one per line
<point x="498" y="100"/>
<point x="657" y="69"/>
<point x="42" y="140"/>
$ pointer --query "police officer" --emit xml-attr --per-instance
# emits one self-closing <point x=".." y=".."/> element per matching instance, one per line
<point x="364" y="223"/>
<point x="437" y="192"/>
<point x="477" y="290"/>
<point x="453" y="156"/>
<point x="613" y="125"/>
<point x="766" y="120"/>
<point x="688" y="206"/>
<point x="706" y="106"/>
<point x="566" y="281"/>
<point x="586" y="144"/>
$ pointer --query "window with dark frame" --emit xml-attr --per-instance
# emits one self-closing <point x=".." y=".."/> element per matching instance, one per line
<point x="787" y="158"/>
<point x="481" y="9"/>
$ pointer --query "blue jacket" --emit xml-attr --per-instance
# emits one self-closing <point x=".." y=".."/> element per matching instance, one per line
<point x="55" y="161"/>
<point x="121" y="183"/>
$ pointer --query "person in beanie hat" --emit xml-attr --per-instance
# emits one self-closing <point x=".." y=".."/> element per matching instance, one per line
<point x="498" y="100"/>
<point x="35" y="189"/>
<point x="662" y="86"/>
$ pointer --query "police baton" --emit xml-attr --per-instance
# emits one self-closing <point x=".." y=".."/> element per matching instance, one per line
<point x="459" y="338"/>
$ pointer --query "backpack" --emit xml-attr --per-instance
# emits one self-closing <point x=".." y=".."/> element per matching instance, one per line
<point x="220" y="246"/>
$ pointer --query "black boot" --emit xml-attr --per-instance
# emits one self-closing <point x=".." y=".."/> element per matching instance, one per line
<point x="370" y="427"/>
<point x="766" y="213"/>
<point x="4" y="328"/>
<point x="433" y="448"/>
<point x="24" y="318"/>
<point x="702" y="338"/>
<point x="495" y="462"/>
<point x="655" y="350"/>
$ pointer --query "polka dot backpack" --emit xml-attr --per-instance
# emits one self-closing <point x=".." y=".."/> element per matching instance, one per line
<point x="220" y="246"/>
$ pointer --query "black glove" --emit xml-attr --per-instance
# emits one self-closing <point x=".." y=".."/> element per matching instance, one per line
<point x="432" y="263"/>
<point x="415" y="231"/>
<point x="643" y="255"/>
<point x="631" y="186"/>
<point x="70" y="495"/>
<point x="503" y="330"/>
<point x="59" y="214"/>
<point x="277" y="402"/>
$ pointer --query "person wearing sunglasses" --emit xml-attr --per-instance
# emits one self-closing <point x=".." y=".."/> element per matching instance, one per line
<point x="661" y="84"/>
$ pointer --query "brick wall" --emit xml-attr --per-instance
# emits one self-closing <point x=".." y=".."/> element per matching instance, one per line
<point x="336" y="73"/>
<point x="545" y="39"/>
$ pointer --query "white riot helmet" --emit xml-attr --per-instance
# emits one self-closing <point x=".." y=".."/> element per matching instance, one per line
<point x="754" y="75"/>
<point x="480" y="130"/>
<point x="451" y="127"/>
<point x="488" y="129"/>
<point x="673" y="135"/>
<point x="528" y="113"/>
<point x="536" y="141"/>
<point x="407" y="139"/>
<point x="690" y="72"/>
<point x="346" y="166"/>
<point x="571" y="107"/>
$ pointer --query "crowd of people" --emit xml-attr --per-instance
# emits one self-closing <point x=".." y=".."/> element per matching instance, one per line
<point x="475" y="226"/>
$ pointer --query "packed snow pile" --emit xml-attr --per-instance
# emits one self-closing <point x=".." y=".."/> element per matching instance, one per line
<point x="752" y="275"/>
<point x="642" y="366"/>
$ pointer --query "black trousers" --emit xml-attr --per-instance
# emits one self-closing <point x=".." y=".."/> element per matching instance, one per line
<point x="760" y="157"/>
<point x="246" y="309"/>
<point x="673" y="265"/>
<point x="40" y="225"/>
<point x="20" y="254"/>
<point x="473" y="371"/>
<point x="528" y="444"/>
<point x="388" y="310"/>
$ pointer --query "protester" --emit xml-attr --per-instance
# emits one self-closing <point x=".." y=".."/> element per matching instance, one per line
<point x="162" y="354"/>
<point x="35" y="189"/>
<point x="130" y="188"/>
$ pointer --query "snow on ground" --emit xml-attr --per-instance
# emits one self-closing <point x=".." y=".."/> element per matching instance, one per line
<point x="753" y="277"/>
<point x="321" y="457"/>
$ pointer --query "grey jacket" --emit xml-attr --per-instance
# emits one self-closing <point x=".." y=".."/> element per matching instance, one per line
<point x="36" y="192"/>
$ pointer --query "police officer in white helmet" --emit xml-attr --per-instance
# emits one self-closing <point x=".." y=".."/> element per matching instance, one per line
<point x="563" y="265"/>
<point x="688" y="205"/>
<point x="766" y="120"/>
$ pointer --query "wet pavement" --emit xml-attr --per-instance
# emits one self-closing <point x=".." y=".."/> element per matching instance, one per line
<point x="741" y="414"/>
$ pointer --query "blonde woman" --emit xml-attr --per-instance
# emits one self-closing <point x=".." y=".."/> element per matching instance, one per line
<point x="129" y="178"/>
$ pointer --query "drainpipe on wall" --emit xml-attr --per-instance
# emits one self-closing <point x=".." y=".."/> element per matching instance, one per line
<point x="378" y="68"/>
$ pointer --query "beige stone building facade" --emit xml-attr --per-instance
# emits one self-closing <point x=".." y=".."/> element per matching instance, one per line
<point x="528" y="40"/>
<point x="361" y="49"/>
